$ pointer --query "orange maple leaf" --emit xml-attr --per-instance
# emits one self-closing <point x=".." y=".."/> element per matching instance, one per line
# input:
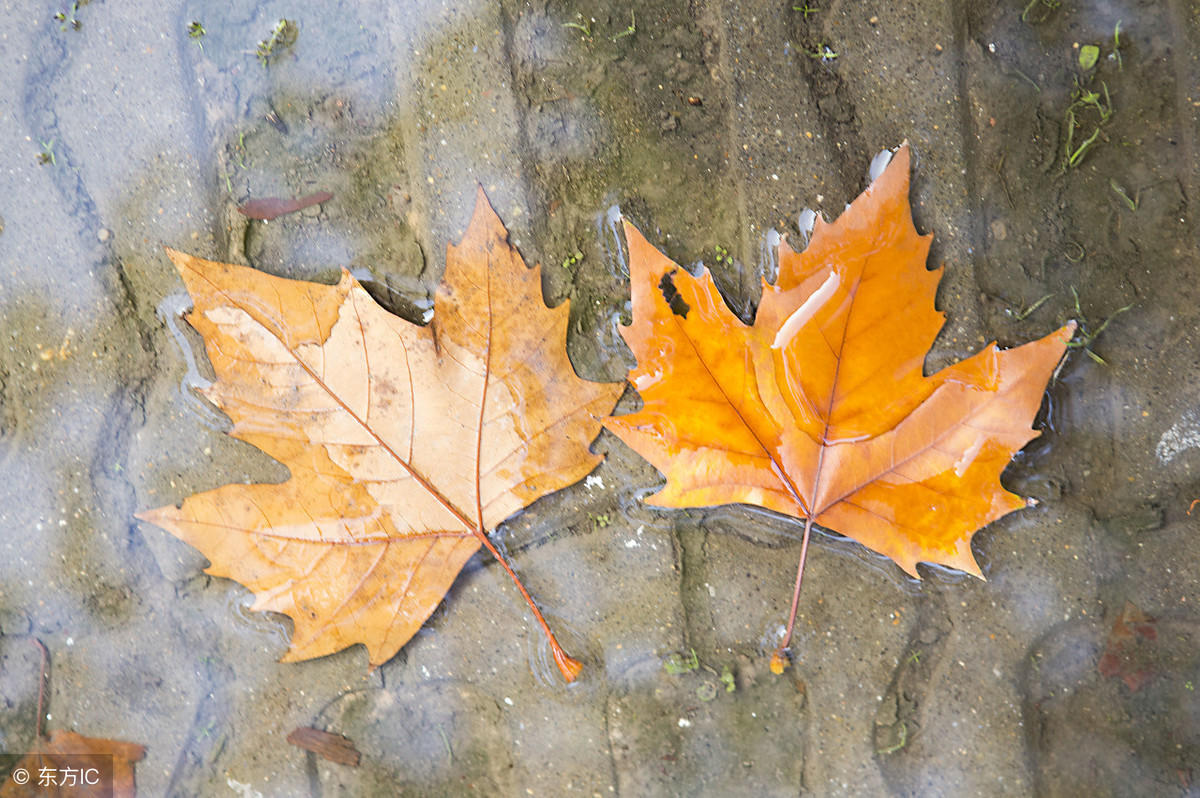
<point x="821" y="409"/>
<point x="406" y="444"/>
<point x="69" y="765"/>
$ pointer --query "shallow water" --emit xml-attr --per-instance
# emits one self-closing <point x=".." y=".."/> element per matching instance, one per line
<point x="710" y="126"/>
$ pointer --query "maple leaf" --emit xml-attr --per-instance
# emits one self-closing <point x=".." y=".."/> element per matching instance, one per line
<point x="820" y="409"/>
<point x="75" y="766"/>
<point x="406" y="443"/>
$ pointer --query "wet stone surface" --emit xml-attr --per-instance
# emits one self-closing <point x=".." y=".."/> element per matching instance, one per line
<point x="687" y="734"/>
<point x="1114" y="731"/>
<point x="708" y="125"/>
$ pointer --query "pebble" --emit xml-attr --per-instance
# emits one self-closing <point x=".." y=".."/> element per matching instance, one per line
<point x="102" y="234"/>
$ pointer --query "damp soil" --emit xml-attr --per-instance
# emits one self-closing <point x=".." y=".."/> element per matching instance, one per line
<point x="1054" y="191"/>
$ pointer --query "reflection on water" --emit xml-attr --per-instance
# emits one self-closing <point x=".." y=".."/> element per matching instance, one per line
<point x="710" y="126"/>
<point x="170" y="312"/>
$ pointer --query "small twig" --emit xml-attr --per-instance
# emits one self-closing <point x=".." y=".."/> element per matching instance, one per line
<point x="1074" y="158"/>
<point x="41" y="684"/>
<point x="891" y="749"/>
<point x="1050" y="6"/>
<point x="822" y="52"/>
<point x="1132" y="202"/>
<point x="998" y="169"/>
<point x="632" y="29"/>
<point x="1088" y="337"/>
<point x="1021" y="315"/>
<point x="1028" y="80"/>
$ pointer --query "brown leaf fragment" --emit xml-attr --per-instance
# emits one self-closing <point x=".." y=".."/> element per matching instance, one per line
<point x="334" y="747"/>
<point x="268" y="208"/>
<point x="1129" y="652"/>
<point x="69" y="765"/>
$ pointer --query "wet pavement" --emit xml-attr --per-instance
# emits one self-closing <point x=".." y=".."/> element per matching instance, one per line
<point x="708" y="125"/>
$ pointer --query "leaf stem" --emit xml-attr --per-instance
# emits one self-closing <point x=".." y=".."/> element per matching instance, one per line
<point x="570" y="668"/>
<point x="779" y="660"/>
<point x="41" y="684"/>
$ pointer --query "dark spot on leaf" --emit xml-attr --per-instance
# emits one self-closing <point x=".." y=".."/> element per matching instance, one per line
<point x="672" y="295"/>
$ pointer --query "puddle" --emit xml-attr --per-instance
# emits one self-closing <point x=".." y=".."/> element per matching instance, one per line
<point x="712" y="129"/>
